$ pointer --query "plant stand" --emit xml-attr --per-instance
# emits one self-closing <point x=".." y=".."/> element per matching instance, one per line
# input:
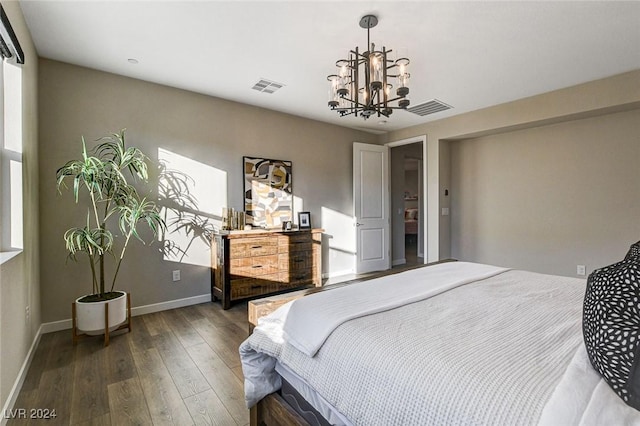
<point x="127" y="324"/>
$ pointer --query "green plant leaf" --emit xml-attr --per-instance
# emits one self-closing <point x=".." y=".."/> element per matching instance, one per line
<point x="102" y="173"/>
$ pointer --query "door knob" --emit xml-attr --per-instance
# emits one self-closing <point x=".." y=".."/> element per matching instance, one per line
<point x="358" y="224"/>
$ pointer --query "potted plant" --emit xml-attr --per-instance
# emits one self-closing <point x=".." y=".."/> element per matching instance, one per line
<point x="102" y="180"/>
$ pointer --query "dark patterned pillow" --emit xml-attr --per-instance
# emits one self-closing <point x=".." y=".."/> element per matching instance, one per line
<point x="611" y="327"/>
<point x="634" y="251"/>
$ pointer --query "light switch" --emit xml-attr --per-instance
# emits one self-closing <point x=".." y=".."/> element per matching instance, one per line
<point x="445" y="211"/>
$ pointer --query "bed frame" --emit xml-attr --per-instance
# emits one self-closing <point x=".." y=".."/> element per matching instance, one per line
<point x="272" y="410"/>
<point x="285" y="407"/>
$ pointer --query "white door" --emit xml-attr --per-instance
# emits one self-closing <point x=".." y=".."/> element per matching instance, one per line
<point x="371" y="207"/>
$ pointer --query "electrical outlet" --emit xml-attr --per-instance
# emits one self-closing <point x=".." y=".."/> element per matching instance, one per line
<point x="581" y="270"/>
<point x="176" y="275"/>
<point x="27" y="314"/>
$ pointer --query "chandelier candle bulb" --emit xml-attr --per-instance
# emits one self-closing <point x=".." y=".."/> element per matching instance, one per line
<point x="403" y="77"/>
<point x="333" y="90"/>
<point x="377" y="61"/>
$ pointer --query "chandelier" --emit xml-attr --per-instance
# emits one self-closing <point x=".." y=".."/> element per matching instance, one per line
<point x="362" y="85"/>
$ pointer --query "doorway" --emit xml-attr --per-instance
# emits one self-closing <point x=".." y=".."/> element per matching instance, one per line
<point x="407" y="203"/>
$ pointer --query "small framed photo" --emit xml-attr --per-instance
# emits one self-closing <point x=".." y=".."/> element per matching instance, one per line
<point x="286" y="225"/>
<point x="304" y="220"/>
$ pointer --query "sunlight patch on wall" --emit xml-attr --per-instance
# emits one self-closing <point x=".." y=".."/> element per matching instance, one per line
<point x="15" y="171"/>
<point x="298" y="206"/>
<point x="192" y="195"/>
<point x="341" y="240"/>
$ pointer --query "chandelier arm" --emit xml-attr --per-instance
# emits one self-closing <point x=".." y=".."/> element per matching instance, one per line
<point x="384" y="75"/>
<point x="355" y="93"/>
<point x="359" y="57"/>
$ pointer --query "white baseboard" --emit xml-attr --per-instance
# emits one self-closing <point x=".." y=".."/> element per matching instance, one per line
<point x="398" y="262"/>
<point x="171" y="304"/>
<point x="50" y="327"/>
<point x="22" y="374"/>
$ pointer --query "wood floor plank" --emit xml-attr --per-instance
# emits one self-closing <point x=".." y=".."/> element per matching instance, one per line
<point x="214" y="316"/>
<point x="155" y="323"/>
<point x="163" y="399"/>
<point x="207" y="409"/>
<point x="119" y="360"/>
<point x="186" y="375"/>
<point x="24" y="402"/>
<point x="104" y="420"/>
<point x="235" y="334"/>
<point x="63" y="354"/>
<point x="39" y="362"/>
<point x="213" y="336"/>
<point x="238" y="372"/>
<point x="89" y="397"/>
<point x="127" y="404"/>
<point x="236" y="315"/>
<point x="222" y="380"/>
<point x="139" y="339"/>
<point x="182" y="328"/>
<point x="191" y="313"/>
<point x="57" y="385"/>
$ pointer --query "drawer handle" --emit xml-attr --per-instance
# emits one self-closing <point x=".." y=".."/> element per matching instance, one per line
<point x="257" y="266"/>
<point x="298" y="260"/>
<point x="256" y="247"/>
<point x="299" y="277"/>
<point x="253" y="287"/>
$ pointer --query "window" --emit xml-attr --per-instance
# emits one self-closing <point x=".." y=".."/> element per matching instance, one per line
<point x="11" y="190"/>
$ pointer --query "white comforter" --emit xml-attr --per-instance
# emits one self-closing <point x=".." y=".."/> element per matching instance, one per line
<point x="490" y="352"/>
<point x="311" y="320"/>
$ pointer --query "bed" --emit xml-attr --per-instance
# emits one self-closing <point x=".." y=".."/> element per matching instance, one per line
<point x="456" y="343"/>
<point x="411" y="221"/>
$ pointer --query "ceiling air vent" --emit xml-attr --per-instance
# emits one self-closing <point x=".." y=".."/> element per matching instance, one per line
<point x="429" y="107"/>
<point x="267" y="86"/>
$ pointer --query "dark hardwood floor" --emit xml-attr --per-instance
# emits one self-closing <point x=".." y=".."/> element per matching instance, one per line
<point x="175" y="367"/>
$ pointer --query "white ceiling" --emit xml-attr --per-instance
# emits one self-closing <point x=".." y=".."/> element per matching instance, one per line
<point x="467" y="54"/>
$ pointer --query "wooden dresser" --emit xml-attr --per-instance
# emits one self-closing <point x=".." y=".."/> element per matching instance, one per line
<point x="247" y="264"/>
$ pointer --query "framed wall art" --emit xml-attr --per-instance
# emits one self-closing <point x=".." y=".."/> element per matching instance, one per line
<point x="268" y="192"/>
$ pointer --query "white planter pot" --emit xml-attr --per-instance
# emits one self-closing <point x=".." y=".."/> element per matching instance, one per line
<point x="90" y="316"/>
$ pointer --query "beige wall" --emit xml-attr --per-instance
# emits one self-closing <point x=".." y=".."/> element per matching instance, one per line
<point x="19" y="277"/>
<point x="592" y="99"/>
<point x="548" y="198"/>
<point x="215" y="133"/>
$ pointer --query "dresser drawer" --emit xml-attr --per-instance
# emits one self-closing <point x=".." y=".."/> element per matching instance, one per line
<point x="248" y="247"/>
<point x="295" y="243"/>
<point x="247" y="287"/>
<point x="295" y="278"/>
<point x="295" y="261"/>
<point x="254" y="266"/>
